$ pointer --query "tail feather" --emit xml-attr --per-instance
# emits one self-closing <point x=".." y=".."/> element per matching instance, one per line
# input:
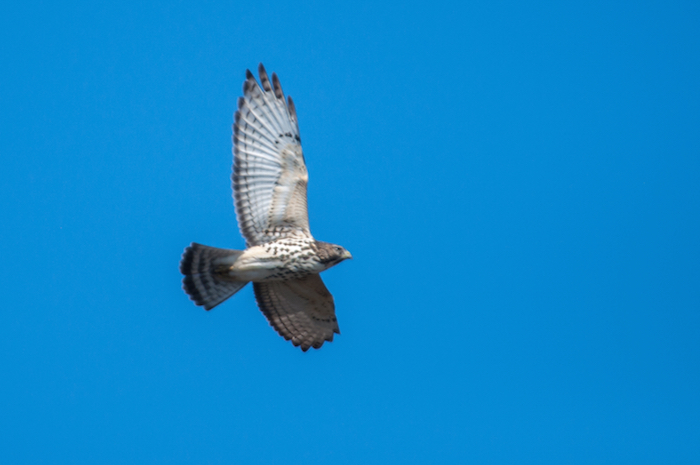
<point x="202" y="283"/>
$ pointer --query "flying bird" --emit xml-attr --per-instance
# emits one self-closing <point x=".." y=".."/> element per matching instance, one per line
<point x="282" y="259"/>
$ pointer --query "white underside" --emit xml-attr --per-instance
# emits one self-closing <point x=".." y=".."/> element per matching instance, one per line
<point x="256" y="264"/>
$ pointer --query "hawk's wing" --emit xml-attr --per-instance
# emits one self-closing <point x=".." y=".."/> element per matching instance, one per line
<point x="269" y="173"/>
<point x="299" y="309"/>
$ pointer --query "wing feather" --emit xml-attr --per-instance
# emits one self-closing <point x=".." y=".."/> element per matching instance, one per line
<point x="278" y="87"/>
<point x="264" y="80"/>
<point x="300" y="310"/>
<point x="269" y="172"/>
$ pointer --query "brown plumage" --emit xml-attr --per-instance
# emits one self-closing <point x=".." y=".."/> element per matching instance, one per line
<point x="282" y="258"/>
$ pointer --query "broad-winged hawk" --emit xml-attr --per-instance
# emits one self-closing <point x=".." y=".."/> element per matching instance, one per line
<point x="282" y="258"/>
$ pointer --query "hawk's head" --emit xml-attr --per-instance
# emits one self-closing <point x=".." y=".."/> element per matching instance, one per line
<point x="331" y="254"/>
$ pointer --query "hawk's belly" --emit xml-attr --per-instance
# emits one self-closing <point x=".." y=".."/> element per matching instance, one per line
<point x="272" y="262"/>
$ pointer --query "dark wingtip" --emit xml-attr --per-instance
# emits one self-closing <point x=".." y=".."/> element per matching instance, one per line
<point x="292" y="108"/>
<point x="264" y="80"/>
<point x="249" y="82"/>
<point x="277" y="86"/>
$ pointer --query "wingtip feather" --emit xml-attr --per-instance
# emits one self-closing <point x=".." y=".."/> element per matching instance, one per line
<point x="264" y="79"/>
<point x="278" y="87"/>
<point x="292" y="108"/>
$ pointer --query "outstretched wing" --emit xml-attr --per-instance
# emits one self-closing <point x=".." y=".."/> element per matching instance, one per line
<point x="269" y="172"/>
<point x="300" y="310"/>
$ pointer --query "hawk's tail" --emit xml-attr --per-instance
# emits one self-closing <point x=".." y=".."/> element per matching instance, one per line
<point x="203" y="281"/>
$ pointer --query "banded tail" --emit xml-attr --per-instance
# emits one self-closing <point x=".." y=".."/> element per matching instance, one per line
<point x="203" y="281"/>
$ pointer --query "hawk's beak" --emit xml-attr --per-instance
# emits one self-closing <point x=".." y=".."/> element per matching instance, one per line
<point x="346" y="255"/>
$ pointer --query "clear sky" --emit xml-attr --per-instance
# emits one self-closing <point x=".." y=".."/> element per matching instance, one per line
<point x="518" y="182"/>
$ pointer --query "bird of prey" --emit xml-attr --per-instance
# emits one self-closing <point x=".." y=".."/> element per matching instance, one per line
<point x="281" y="259"/>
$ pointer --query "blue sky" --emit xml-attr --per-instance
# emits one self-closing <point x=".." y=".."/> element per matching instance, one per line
<point x="518" y="183"/>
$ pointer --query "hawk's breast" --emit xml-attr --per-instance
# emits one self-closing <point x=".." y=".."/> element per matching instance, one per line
<point x="287" y="258"/>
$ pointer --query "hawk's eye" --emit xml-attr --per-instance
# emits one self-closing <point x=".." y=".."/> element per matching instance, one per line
<point x="337" y="249"/>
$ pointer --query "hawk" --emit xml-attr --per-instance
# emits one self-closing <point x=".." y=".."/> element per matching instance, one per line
<point x="281" y="259"/>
